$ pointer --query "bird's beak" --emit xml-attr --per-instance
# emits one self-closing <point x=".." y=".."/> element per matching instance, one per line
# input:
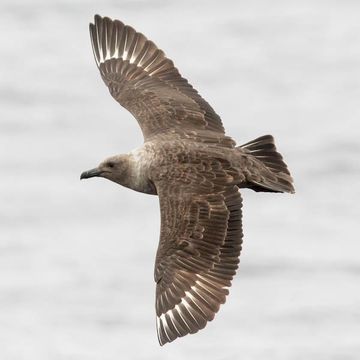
<point x="90" y="173"/>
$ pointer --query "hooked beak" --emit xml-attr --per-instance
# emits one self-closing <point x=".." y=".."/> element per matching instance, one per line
<point x="90" y="173"/>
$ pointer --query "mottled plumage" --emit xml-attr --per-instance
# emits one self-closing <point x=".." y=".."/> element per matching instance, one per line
<point x="194" y="168"/>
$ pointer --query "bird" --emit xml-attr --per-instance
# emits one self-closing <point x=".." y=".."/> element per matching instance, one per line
<point x="192" y="166"/>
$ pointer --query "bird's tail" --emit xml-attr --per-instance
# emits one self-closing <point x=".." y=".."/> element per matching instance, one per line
<point x="278" y="179"/>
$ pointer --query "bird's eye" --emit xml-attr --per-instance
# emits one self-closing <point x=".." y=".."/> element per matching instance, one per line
<point x="110" y="164"/>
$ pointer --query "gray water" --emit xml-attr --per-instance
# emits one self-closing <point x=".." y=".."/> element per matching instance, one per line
<point x="76" y="258"/>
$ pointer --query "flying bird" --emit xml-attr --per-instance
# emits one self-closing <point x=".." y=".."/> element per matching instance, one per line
<point x="192" y="166"/>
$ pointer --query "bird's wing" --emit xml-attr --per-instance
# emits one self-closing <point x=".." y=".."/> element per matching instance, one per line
<point x="144" y="81"/>
<point x="198" y="253"/>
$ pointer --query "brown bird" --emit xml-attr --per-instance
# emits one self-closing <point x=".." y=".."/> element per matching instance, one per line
<point x="194" y="168"/>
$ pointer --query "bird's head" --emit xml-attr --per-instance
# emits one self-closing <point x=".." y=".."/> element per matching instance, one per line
<point x="113" y="168"/>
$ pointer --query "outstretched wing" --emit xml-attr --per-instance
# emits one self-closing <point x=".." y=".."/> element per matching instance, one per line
<point x="198" y="254"/>
<point x="144" y="81"/>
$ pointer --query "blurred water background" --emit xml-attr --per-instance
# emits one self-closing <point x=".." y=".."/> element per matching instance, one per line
<point x="76" y="258"/>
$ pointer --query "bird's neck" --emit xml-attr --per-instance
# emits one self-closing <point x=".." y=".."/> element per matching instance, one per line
<point x="135" y="174"/>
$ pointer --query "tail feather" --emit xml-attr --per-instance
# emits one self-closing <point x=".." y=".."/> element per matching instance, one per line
<point x="278" y="179"/>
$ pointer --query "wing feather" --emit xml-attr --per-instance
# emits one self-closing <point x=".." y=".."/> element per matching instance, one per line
<point x="144" y="81"/>
<point x="198" y="255"/>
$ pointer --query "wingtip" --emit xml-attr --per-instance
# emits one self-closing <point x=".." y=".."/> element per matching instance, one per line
<point x="96" y="17"/>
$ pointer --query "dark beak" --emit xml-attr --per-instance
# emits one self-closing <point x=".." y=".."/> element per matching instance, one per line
<point x="90" y="173"/>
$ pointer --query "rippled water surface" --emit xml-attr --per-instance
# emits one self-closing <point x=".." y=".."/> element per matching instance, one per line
<point x="76" y="259"/>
